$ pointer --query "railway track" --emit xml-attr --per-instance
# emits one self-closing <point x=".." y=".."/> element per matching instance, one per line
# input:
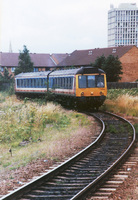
<point x="114" y="186"/>
<point x="87" y="169"/>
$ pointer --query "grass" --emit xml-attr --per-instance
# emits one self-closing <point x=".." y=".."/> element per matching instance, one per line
<point x="35" y="130"/>
<point x="47" y="129"/>
<point x="115" y="93"/>
<point x="122" y="101"/>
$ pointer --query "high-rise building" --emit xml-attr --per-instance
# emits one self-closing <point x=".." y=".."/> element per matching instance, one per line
<point x="123" y="25"/>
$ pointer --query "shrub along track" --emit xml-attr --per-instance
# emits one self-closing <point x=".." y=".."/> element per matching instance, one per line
<point x="84" y="171"/>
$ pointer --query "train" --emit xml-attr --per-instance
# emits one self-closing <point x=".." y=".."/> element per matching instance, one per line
<point x="83" y="87"/>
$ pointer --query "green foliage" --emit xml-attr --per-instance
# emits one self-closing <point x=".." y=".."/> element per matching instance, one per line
<point x="6" y="78"/>
<point x="35" y="130"/>
<point x="31" y="124"/>
<point x="25" y="64"/>
<point x="136" y="129"/>
<point x="99" y="62"/>
<point x="111" y="65"/>
<point x="113" y="68"/>
<point x="122" y="101"/>
<point x="6" y="81"/>
<point x="115" y="93"/>
<point x="112" y="129"/>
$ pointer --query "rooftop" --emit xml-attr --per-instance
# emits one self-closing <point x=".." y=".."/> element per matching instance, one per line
<point x="86" y="57"/>
<point x="39" y="60"/>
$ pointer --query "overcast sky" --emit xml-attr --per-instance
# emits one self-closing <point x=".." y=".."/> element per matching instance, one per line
<point x="54" y="26"/>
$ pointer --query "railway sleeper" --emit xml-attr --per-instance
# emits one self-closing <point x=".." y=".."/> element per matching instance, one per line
<point x="48" y="197"/>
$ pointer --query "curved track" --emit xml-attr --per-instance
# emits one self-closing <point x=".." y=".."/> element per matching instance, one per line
<point x="85" y="170"/>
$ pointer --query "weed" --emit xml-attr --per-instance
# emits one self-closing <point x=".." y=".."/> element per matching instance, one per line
<point x="136" y="128"/>
<point x="122" y="101"/>
<point x="115" y="93"/>
<point x="6" y="164"/>
<point x="112" y="129"/>
<point x="46" y="130"/>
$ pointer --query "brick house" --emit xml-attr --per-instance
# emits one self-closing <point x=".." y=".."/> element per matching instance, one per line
<point x="128" y="56"/>
<point x="42" y="62"/>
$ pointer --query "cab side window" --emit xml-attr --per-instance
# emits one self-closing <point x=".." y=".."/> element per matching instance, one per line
<point x="82" y="82"/>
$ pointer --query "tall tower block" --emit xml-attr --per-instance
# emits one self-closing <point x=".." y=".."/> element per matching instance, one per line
<point x="123" y="25"/>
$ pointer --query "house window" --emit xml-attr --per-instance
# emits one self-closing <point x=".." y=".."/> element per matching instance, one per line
<point x="12" y="69"/>
<point x="1" y="69"/>
<point x="36" y="69"/>
<point x="90" y="53"/>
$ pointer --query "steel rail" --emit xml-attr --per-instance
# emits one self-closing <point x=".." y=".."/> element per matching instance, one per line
<point x="104" y="174"/>
<point x="26" y="188"/>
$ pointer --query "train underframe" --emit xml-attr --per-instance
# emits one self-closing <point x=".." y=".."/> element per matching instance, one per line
<point x="91" y="102"/>
<point x="83" y="102"/>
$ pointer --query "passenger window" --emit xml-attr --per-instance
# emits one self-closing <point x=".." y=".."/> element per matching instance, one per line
<point x="21" y="83"/>
<point x="45" y="82"/>
<point x="59" y="82"/>
<point x="31" y="82"/>
<point x="67" y="83"/>
<point x="34" y="83"/>
<point x="63" y="82"/>
<point x="70" y="83"/>
<point x="18" y="83"/>
<point x="50" y="82"/>
<point x="56" y="82"/>
<point x="24" y="82"/>
<point x="27" y="84"/>
<point x="38" y="82"/>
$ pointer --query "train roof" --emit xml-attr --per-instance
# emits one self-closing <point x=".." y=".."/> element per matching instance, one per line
<point x="64" y="72"/>
<point x="32" y="74"/>
<point x="82" y="70"/>
<point x="89" y="70"/>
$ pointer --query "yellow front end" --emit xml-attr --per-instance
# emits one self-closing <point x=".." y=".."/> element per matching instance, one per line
<point x="91" y="92"/>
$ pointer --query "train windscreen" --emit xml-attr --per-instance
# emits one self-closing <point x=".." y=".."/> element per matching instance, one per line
<point x="91" y="81"/>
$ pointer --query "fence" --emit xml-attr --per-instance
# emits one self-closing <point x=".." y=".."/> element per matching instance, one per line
<point x="122" y="85"/>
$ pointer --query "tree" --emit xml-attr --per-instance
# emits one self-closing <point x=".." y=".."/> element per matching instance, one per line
<point x="24" y="64"/>
<point x="99" y="62"/>
<point x="112" y="67"/>
<point x="6" y="78"/>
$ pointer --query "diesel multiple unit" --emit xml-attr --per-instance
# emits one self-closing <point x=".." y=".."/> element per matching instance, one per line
<point x="85" y="86"/>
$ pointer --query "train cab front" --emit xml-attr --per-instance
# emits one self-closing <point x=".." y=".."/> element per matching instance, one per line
<point x="91" y="89"/>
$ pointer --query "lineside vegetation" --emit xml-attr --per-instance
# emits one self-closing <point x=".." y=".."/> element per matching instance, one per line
<point x="122" y="101"/>
<point x="36" y="129"/>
